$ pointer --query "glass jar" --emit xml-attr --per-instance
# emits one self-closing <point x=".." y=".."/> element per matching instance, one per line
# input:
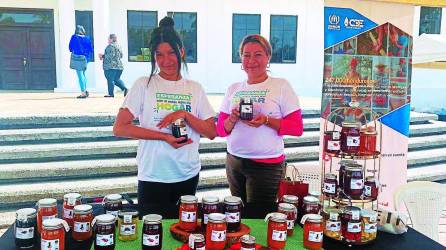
<point x="216" y="232"/>
<point x="353" y="181"/>
<point x="350" y="137"/>
<point x="104" y="232"/>
<point x="53" y="234"/>
<point x="313" y="231"/>
<point x="246" y="109"/>
<point x="210" y="205"/>
<point x="25" y="228"/>
<point x="82" y="218"/>
<point x="368" y="141"/>
<point x="290" y="211"/>
<point x="188" y="213"/>
<point x="330" y="184"/>
<point x="332" y="142"/>
<point x="369" y="225"/>
<point x="371" y="188"/>
<point x="112" y="204"/>
<point x="248" y="242"/>
<point x="293" y="200"/>
<point x="277" y="230"/>
<point x="46" y="209"/>
<point x="179" y="129"/>
<point x="333" y="224"/>
<point x="152" y="232"/>
<point x="351" y="224"/>
<point x="342" y="165"/>
<point x="311" y="205"/>
<point x="197" y="242"/>
<point x="233" y="210"/>
<point x="69" y="201"/>
<point x="128" y="225"/>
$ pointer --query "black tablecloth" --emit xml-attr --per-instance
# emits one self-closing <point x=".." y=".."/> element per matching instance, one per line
<point x="412" y="240"/>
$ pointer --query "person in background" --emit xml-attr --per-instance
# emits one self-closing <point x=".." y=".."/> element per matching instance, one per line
<point x="112" y="66"/>
<point x="80" y="44"/>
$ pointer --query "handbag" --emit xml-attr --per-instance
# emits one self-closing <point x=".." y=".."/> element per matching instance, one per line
<point x="392" y="222"/>
<point x="78" y="62"/>
<point x="293" y="185"/>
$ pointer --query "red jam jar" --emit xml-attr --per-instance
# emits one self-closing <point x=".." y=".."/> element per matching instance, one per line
<point x="188" y="212"/>
<point x="104" y="232"/>
<point x="353" y="181"/>
<point x="216" y="232"/>
<point x="69" y="201"/>
<point x="342" y="165"/>
<point x="330" y="184"/>
<point x="311" y="205"/>
<point x="53" y="234"/>
<point x="209" y="206"/>
<point x="350" y="137"/>
<point x="277" y="230"/>
<point x="291" y="212"/>
<point x="367" y="144"/>
<point x="293" y="200"/>
<point x="82" y="218"/>
<point x="371" y="188"/>
<point x="113" y="204"/>
<point x="351" y="224"/>
<point x="233" y="211"/>
<point x="197" y="242"/>
<point x="46" y="209"/>
<point x="152" y="232"/>
<point x="313" y="231"/>
<point x="332" y="142"/>
<point x="248" y="242"/>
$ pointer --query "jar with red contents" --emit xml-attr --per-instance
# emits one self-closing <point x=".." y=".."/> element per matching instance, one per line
<point x="291" y="212"/>
<point x="233" y="211"/>
<point x="311" y="205"/>
<point x="46" y="209"/>
<point x="69" y="201"/>
<point x="197" y="242"/>
<point x="113" y="204"/>
<point x="209" y="206"/>
<point x="353" y="181"/>
<point x="152" y="232"/>
<point x="350" y="137"/>
<point x="83" y="216"/>
<point x="367" y="144"/>
<point x="330" y="185"/>
<point x="277" y="230"/>
<point x="313" y="231"/>
<point x="371" y="188"/>
<point x="104" y="232"/>
<point x="216" y="232"/>
<point x="351" y="224"/>
<point x="53" y="234"/>
<point x="342" y="165"/>
<point x="332" y="142"/>
<point x="188" y="212"/>
<point x="248" y="242"/>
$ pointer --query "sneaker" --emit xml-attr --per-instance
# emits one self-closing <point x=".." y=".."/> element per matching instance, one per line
<point x="109" y="96"/>
<point x="125" y="92"/>
<point x="81" y="97"/>
<point x="87" y="94"/>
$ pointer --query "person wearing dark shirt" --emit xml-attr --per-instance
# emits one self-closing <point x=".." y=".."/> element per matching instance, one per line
<point x="112" y="66"/>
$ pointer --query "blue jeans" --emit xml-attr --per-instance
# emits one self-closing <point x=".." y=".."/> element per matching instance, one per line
<point x="114" y="78"/>
<point x="82" y="80"/>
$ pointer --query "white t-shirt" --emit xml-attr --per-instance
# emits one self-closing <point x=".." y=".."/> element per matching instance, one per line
<point x="151" y="102"/>
<point x="274" y="97"/>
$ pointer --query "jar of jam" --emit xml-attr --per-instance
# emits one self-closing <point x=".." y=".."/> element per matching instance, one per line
<point x="311" y="205"/>
<point x="233" y="211"/>
<point x="69" y="201"/>
<point x="371" y="188"/>
<point x="367" y="144"/>
<point x="333" y="224"/>
<point x="179" y="129"/>
<point x="210" y="205"/>
<point x="293" y="200"/>
<point x="216" y="232"/>
<point x="104" y="232"/>
<point x="197" y="242"/>
<point x="128" y="225"/>
<point x="188" y="212"/>
<point x="353" y="181"/>
<point x="291" y="212"/>
<point x="351" y="224"/>
<point x="112" y="204"/>
<point x="332" y="142"/>
<point x="25" y="228"/>
<point x="342" y="165"/>
<point x="369" y="225"/>
<point x="248" y="242"/>
<point x="330" y="184"/>
<point x="53" y="234"/>
<point x="46" y="209"/>
<point x="277" y="230"/>
<point x="350" y="137"/>
<point x="246" y="109"/>
<point x="152" y="232"/>
<point x="313" y="231"/>
<point x="83" y="216"/>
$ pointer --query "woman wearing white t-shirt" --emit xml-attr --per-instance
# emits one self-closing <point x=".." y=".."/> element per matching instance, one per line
<point x="255" y="159"/>
<point x="167" y="168"/>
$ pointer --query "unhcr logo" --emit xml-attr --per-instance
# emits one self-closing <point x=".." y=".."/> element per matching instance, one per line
<point x="333" y="21"/>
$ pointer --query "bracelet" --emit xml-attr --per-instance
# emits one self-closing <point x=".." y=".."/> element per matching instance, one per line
<point x="267" y="120"/>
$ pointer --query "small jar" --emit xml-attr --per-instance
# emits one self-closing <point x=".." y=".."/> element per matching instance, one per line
<point x="368" y="142"/>
<point x="332" y="142"/>
<point x="69" y="201"/>
<point x="311" y="205"/>
<point x="353" y="181"/>
<point x="210" y="205"/>
<point x="128" y="225"/>
<point x="216" y="232"/>
<point x="351" y="224"/>
<point x="233" y="210"/>
<point x="290" y="211"/>
<point x="83" y="216"/>
<point x="53" y="234"/>
<point x="112" y="204"/>
<point x="350" y="137"/>
<point x="313" y="231"/>
<point x="197" y="242"/>
<point x="188" y="213"/>
<point x="330" y="184"/>
<point x="179" y="129"/>
<point x="152" y="232"/>
<point x="25" y="228"/>
<point x="104" y="232"/>
<point x="248" y="242"/>
<point x="342" y="165"/>
<point x="293" y="200"/>
<point x="46" y="209"/>
<point x="370" y="188"/>
<point x="277" y="230"/>
<point x="369" y="225"/>
<point x="333" y="224"/>
<point x="246" y="109"/>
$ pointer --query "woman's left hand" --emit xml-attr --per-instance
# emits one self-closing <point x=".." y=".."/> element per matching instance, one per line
<point x="258" y="121"/>
<point x="171" y="118"/>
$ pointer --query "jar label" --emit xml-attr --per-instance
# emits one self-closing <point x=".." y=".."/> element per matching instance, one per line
<point x="333" y="226"/>
<point x="81" y="227"/>
<point x="128" y="229"/>
<point x="183" y="131"/>
<point x="200" y="248"/>
<point x="247" y="109"/>
<point x="244" y="248"/>
<point x="333" y="145"/>
<point x="205" y="218"/>
<point x="290" y="224"/>
<point x="336" y="135"/>
<point x="232" y="217"/>
<point x="115" y="213"/>
<point x="370" y="228"/>
<point x="279" y="235"/>
<point x="188" y="216"/>
<point x="373" y="218"/>
<point x="315" y="236"/>
<point x="329" y="188"/>
<point x="354" y="227"/>
<point x="334" y="216"/>
<point x="367" y="190"/>
<point x="352" y="141"/>
<point x="44" y="218"/>
<point x="218" y="235"/>
<point x="356" y="184"/>
<point x="49" y="244"/>
<point x="127" y="218"/>
<point x="151" y="240"/>
<point x="356" y="215"/>
<point x="103" y="240"/>
<point x="71" y="202"/>
<point x="24" y="233"/>
<point x="67" y="213"/>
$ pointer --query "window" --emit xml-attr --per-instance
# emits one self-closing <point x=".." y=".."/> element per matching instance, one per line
<point x="25" y="17"/>
<point x="283" y="38"/>
<point x="140" y="24"/>
<point x="186" y="26"/>
<point x="430" y="20"/>
<point x="242" y="25"/>
<point x="85" y="18"/>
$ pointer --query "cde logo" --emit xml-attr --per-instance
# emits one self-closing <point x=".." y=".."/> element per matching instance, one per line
<point x="353" y="23"/>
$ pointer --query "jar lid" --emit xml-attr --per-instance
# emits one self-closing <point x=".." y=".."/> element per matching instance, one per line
<point x="311" y="200"/>
<point x="197" y="237"/>
<point x="277" y="217"/>
<point x="24" y="213"/>
<point x="152" y="219"/>
<point x="47" y="202"/>
<point x="354" y="167"/>
<point x="287" y="207"/>
<point x="315" y="193"/>
<point x="188" y="199"/>
<point x="331" y="176"/>
<point x="351" y="209"/>
<point x="370" y="178"/>
<point x="133" y="213"/>
<point x="216" y="217"/>
<point x="315" y="218"/>
<point x="83" y="209"/>
<point x="351" y="124"/>
<point x="52" y="224"/>
<point x="346" y="163"/>
<point x="113" y="197"/>
<point x="232" y="200"/>
<point x="248" y="239"/>
<point x="332" y="212"/>
<point x="178" y="121"/>
<point x="211" y="200"/>
<point x="290" y="198"/>
<point x="74" y="196"/>
<point x="105" y="219"/>
<point x="372" y="215"/>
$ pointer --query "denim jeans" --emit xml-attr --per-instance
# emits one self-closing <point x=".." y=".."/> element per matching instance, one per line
<point x="113" y="78"/>
<point x="82" y="80"/>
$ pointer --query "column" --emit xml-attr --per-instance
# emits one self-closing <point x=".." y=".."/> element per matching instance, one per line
<point x="101" y="17"/>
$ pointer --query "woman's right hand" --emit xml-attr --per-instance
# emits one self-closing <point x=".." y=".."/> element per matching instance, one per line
<point x="175" y="142"/>
<point x="235" y="116"/>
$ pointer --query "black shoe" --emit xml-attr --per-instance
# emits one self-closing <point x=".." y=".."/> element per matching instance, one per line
<point x="109" y="96"/>
<point x="125" y="92"/>
<point x="87" y="94"/>
<point x="81" y="97"/>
